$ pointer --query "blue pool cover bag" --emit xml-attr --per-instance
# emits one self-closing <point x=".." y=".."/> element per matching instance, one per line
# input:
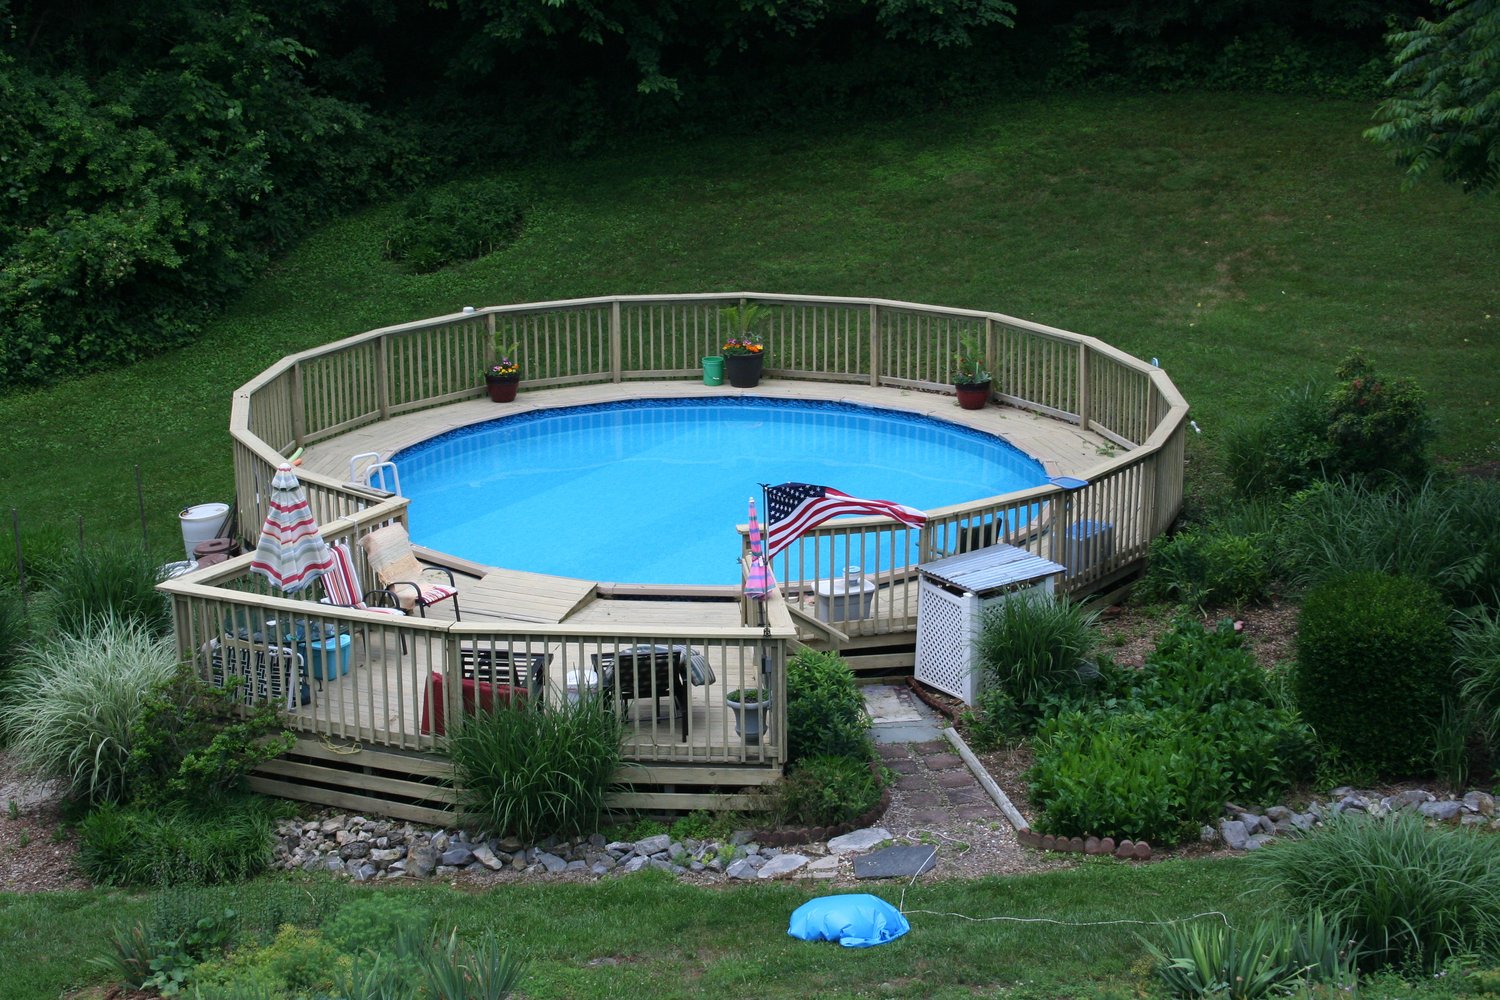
<point x="855" y="920"/>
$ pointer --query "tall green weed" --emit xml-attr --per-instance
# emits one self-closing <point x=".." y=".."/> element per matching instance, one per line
<point x="95" y="580"/>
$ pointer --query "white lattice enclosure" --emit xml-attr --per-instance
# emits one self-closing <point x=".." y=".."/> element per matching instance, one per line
<point x="952" y="598"/>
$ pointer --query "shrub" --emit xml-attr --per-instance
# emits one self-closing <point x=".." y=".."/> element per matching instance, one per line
<point x="1378" y="428"/>
<point x="458" y="222"/>
<point x="162" y="957"/>
<point x="15" y="631"/>
<point x="369" y="921"/>
<point x="1169" y="743"/>
<point x="825" y="714"/>
<point x="178" y="845"/>
<point x="71" y="710"/>
<point x="297" y="962"/>
<point x="1405" y="891"/>
<point x="1477" y="666"/>
<point x="1365" y="428"/>
<point x="1282" y="452"/>
<point x="95" y="580"/>
<point x="188" y="746"/>
<point x="827" y="790"/>
<point x="1267" y="959"/>
<point x="532" y="772"/>
<point x="1374" y="663"/>
<point x="1208" y="567"/>
<point x="1031" y="646"/>
<point x="1441" y="532"/>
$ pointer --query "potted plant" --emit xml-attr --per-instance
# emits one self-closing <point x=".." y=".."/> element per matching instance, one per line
<point x="502" y="377"/>
<point x="752" y="709"/>
<point x="744" y="351"/>
<point x="971" y="379"/>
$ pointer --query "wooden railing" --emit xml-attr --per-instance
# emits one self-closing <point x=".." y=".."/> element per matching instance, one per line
<point x="1097" y="531"/>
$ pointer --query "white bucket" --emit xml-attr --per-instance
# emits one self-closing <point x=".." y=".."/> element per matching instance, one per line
<point x="201" y="523"/>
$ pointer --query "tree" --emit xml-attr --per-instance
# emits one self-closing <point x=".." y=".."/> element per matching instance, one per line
<point x="1446" y="110"/>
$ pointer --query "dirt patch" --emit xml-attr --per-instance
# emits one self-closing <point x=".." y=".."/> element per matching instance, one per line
<point x="37" y="851"/>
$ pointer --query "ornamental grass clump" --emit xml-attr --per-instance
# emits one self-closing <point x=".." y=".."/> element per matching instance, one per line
<point x="70" y="709"/>
<point x="1034" y="646"/>
<point x="534" y="771"/>
<point x="94" y="580"/>
<point x="1271" y="957"/>
<point x="1405" y="891"/>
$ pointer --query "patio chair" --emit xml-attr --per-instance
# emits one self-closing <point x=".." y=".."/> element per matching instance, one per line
<point x="527" y="671"/>
<point x="388" y="551"/>
<point x="341" y="588"/>
<point x="650" y="672"/>
<point x="265" y="673"/>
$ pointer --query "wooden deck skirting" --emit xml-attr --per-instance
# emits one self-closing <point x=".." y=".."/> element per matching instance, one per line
<point x="1123" y="418"/>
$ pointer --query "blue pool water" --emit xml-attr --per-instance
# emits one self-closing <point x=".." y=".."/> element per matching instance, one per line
<point x="650" y="491"/>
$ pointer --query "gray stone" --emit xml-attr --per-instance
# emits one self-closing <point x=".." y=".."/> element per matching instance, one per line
<point x="1206" y="834"/>
<point x="742" y="869"/>
<point x="740" y="838"/>
<point x="421" y="861"/>
<point x="552" y="862"/>
<point x="1303" y="821"/>
<point x="1234" y="834"/>
<point x="1352" y="803"/>
<point x="384" y="856"/>
<point x="355" y="849"/>
<point x="653" y="845"/>
<point x="1441" y="811"/>
<point x="1279" y="814"/>
<point x="781" y="866"/>
<point x="457" y="855"/>
<point x="600" y="868"/>
<point x="510" y="845"/>
<point x="1251" y="821"/>
<point x="1256" y="841"/>
<point x="1482" y="803"/>
<point x="486" y="857"/>
<point x="634" y="865"/>
<point x="859" y="840"/>
<point x="575" y="866"/>
<point x="893" y="862"/>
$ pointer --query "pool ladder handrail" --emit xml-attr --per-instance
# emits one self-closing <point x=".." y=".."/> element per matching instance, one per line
<point x="376" y="467"/>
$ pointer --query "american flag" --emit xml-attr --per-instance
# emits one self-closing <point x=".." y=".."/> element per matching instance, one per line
<point x="793" y="509"/>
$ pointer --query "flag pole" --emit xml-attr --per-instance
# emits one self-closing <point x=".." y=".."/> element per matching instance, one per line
<point x="765" y="549"/>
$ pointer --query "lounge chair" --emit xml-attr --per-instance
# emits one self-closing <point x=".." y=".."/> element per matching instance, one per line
<point x="388" y="551"/>
<point x="652" y="672"/>
<point x="341" y="589"/>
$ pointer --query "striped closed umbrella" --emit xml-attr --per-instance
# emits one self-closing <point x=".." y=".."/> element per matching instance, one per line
<point x="759" y="581"/>
<point x="291" y="553"/>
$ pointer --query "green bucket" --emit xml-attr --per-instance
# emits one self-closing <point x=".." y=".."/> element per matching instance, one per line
<point x="713" y="371"/>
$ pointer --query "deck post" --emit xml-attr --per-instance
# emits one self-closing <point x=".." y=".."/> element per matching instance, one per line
<point x="1083" y="385"/>
<point x="382" y="377"/>
<point x="299" y="416"/>
<point x="615" y="360"/>
<point x="874" y="344"/>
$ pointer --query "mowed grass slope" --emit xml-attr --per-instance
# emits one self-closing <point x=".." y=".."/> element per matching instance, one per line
<point x="1245" y="242"/>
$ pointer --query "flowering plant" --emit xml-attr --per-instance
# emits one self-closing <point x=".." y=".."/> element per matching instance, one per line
<point x="749" y="343"/>
<point x="506" y="366"/>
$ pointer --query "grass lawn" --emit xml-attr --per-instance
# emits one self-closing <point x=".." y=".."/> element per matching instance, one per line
<point x="1246" y="242"/>
<point x="649" y="936"/>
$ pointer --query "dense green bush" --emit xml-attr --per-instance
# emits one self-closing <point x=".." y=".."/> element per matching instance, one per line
<point x="1031" y="646"/>
<point x="179" y="844"/>
<point x="535" y="772"/>
<point x="95" y="580"/>
<point x="1441" y="532"/>
<point x="72" y="705"/>
<point x="1365" y="428"/>
<point x="826" y="791"/>
<point x="1374" y="665"/>
<point x="1407" y="892"/>
<point x="1166" y="745"/>
<point x="1208" y="567"/>
<point x="454" y="223"/>
<point x="825" y="713"/>
<point x="188" y="746"/>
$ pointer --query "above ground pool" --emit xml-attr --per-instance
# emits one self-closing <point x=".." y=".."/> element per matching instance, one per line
<point x="650" y="491"/>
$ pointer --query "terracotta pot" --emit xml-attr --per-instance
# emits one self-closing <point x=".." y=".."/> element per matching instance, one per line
<point x="744" y="369"/>
<point x="973" y="396"/>
<point x="502" y="388"/>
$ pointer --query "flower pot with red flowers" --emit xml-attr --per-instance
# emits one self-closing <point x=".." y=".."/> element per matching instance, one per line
<point x="971" y="379"/>
<point x="744" y="351"/>
<point x="503" y="377"/>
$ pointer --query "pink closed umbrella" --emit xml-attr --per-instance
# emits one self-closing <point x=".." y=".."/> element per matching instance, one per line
<point x="759" y="581"/>
<point x="291" y="553"/>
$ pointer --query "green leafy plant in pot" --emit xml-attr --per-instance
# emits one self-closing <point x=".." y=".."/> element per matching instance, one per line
<point x="752" y="712"/>
<point x="971" y="379"/>
<point x="744" y="349"/>
<point x="503" y="377"/>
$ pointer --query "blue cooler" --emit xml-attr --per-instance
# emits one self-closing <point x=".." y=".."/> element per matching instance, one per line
<point x="326" y="656"/>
